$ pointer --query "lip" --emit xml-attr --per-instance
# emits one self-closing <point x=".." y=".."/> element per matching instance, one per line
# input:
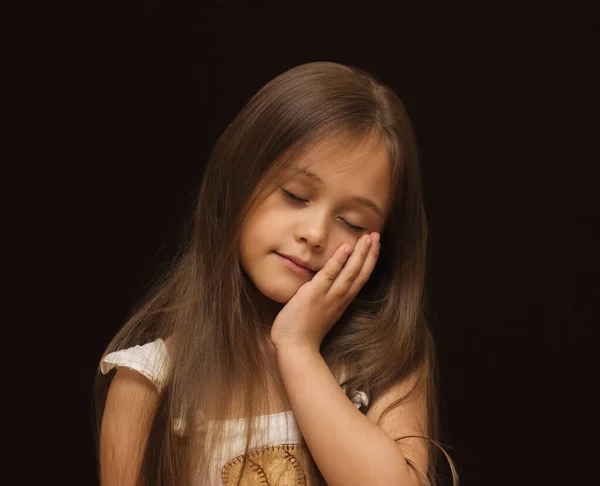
<point x="301" y="264"/>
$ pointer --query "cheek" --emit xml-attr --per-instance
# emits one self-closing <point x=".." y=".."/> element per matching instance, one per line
<point x="248" y="238"/>
<point x="244" y="248"/>
<point x="272" y="218"/>
<point x="260" y="230"/>
<point x="338" y="238"/>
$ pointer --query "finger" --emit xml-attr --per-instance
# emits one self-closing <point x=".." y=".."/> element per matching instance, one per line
<point x="327" y="275"/>
<point x="352" y="270"/>
<point x="368" y="266"/>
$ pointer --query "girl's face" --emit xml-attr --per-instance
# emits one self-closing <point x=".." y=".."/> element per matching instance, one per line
<point x="338" y="196"/>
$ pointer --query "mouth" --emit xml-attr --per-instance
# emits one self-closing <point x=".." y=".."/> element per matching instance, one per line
<point x="294" y="265"/>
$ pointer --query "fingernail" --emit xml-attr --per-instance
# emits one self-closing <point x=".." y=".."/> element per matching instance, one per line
<point x="376" y="237"/>
<point x="368" y="241"/>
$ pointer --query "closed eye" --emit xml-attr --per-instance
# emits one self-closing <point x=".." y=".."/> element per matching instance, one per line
<point x="353" y="227"/>
<point x="293" y="197"/>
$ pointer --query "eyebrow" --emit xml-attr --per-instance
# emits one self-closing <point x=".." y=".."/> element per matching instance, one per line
<point x="361" y="200"/>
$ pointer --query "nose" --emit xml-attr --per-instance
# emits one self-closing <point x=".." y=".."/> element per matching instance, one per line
<point x="312" y="229"/>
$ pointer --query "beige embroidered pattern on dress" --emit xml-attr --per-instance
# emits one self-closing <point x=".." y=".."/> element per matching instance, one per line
<point x="267" y="466"/>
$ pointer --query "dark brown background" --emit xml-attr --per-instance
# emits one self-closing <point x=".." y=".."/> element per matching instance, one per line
<point x="114" y="108"/>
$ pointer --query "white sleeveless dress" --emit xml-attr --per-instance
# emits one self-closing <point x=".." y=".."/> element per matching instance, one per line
<point x="272" y="456"/>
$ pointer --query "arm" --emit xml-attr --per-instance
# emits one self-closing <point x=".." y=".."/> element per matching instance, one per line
<point x="130" y="406"/>
<point x="347" y="446"/>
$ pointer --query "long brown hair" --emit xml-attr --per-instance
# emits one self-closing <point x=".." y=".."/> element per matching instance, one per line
<point x="209" y="311"/>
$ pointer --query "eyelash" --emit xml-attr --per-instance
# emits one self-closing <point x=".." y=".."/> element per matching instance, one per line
<point x="293" y="197"/>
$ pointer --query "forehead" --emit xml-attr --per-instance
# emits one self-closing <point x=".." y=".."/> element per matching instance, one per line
<point x="361" y="168"/>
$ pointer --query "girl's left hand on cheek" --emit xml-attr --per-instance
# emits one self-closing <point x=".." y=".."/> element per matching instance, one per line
<point x="317" y="305"/>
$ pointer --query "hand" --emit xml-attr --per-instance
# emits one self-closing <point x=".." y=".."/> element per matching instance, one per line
<point x="317" y="305"/>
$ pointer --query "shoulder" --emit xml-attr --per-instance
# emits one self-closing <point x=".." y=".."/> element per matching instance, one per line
<point x="130" y="406"/>
<point x="137" y="383"/>
<point x="150" y="360"/>
<point x="402" y="412"/>
<point x="130" y="392"/>
<point x="409" y="392"/>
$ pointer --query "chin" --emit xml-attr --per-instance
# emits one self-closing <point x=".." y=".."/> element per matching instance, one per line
<point x="281" y="294"/>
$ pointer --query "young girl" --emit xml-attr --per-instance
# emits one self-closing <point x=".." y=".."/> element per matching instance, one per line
<point x="287" y="344"/>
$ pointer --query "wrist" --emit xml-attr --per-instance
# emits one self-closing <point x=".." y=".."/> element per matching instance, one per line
<point x="294" y="343"/>
<point x="295" y="350"/>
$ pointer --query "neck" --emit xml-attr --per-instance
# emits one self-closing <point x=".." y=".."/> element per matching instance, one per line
<point x="267" y="312"/>
<point x="267" y="308"/>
